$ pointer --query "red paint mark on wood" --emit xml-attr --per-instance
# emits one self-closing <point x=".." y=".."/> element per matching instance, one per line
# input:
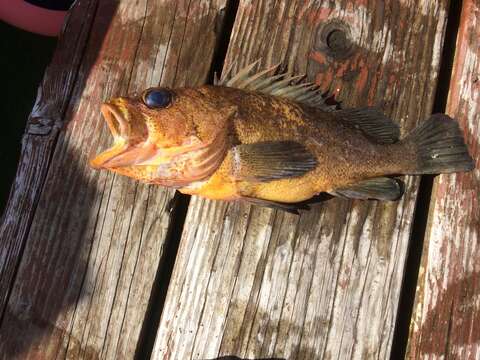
<point x="362" y="77"/>
<point x="318" y="56"/>
<point x="322" y="14"/>
<point x="323" y="80"/>
<point x="452" y="316"/>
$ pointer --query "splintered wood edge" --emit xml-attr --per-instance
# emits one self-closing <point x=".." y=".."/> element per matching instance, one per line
<point x="446" y="314"/>
<point x="245" y="282"/>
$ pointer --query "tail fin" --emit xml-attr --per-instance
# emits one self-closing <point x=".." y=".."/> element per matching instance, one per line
<point x="440" y="147"/>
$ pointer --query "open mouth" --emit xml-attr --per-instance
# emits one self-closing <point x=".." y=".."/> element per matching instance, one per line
<point x="115" y="120"/>
<point x="126" y="152"/>
<point x="123" y="152"/>
<point x="118" y="127"/>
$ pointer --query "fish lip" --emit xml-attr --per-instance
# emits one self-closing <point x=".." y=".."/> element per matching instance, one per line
<point x="118" y="128"/>
<point x="115" y="120"/>
<point x="102" y="160"/>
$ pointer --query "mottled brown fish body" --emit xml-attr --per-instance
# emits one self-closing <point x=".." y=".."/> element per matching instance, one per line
<point x="344" y="154"/>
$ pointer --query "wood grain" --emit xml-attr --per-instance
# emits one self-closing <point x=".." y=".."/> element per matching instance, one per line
<point x="96" y="240"/>
<point x="446" y="317"/>
<point x="257" y="283"/>
<point x="37" y="145"/>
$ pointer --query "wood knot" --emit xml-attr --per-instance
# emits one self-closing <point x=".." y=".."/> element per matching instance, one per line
<point x="41" y="125"/>
<point x="334" y="40"/>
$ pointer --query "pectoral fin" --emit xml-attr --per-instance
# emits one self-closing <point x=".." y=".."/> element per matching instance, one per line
<point x="377" y="188"/>
<point x="271" y="160"/>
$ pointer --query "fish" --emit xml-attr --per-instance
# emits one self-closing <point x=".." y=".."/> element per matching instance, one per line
<point x="267" y="137"/>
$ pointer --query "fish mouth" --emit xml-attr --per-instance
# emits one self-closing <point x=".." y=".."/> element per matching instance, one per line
<point x="123" y="153"/>
<point x="118" y="127"/>
<point x="115" y="120"/>
<point x="192" y="158"/>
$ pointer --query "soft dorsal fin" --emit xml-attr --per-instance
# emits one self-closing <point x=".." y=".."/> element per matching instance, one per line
<point x="271" y="160"/>
<point x="373" y="123"/>
<point x="381" y="188"/>
<point x="270" y="82"/>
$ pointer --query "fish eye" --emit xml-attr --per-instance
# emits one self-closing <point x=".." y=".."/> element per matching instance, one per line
<point x="157" y="98"/>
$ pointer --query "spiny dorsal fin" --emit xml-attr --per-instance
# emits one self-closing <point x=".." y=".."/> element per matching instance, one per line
<point x="373" y="123"/>
<point x="270" y="82"/>
<point x="381" y="188"/>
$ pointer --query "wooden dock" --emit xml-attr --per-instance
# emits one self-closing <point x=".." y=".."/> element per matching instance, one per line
<point x="97" y="266"/>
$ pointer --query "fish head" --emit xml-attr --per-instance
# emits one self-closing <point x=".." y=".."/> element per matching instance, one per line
<point x="164" y="136"/>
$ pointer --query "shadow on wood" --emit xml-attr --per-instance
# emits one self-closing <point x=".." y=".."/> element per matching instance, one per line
<point x="70" y="306"/>
<point x="42" y="292"/>
<point x="29" y="315"/>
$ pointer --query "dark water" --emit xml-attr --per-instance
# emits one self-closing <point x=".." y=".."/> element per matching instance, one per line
<point x="23" y="59"/>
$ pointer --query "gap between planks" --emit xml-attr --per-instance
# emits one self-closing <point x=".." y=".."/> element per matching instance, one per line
<point x="419" y="227"/>
<point x="172" y="244"/>
<point x="223" y="228"/>
<point x="180" y="204"/>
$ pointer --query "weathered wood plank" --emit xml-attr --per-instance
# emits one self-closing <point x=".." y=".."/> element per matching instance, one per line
<point x="446" y="316"/>
<point x="42" y="131"/>
<point x="257" y="283"/>
<point x="96" y="239"/>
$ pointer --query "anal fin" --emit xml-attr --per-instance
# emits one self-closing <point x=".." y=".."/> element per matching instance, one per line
<point x="381" y="188"/>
